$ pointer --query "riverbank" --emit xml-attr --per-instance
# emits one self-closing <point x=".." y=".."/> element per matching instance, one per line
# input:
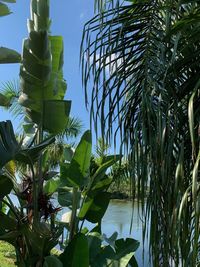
<point x="120" y="195"/>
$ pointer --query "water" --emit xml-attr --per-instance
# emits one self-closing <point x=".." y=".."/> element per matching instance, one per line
<point x="118" y="218"/>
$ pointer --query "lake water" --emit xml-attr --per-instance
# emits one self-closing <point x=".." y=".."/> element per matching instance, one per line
<point x="118" y="218"/>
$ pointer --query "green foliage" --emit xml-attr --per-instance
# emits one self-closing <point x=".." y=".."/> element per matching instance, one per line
<point x="4" y="9"/>
<point x="28" y="170"/>
<point x="76" y="253"/>
<point x="76" y="173"/>
<point x="9" y="55"/>
<point x="143" y="58"/>
<point x="120" y="253"/>
<point x="52" y="261"/>
<point x="41" y="67"/>
<point x="10" y="149"/>
<point x="93" y="199"/>
<point x="6" y="186"/>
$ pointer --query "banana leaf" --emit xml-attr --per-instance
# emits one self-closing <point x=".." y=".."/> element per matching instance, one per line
<point x="10" y="149"/>
<point x="42" y="84"/>
<point x="9" y="55"/>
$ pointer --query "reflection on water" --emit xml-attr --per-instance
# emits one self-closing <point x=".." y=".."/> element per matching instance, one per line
<point x="118" y="218"/>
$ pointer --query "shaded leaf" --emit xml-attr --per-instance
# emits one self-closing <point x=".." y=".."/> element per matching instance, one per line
<point x="4" y="10"/>
<point x="51" y="186"/>
<point x="65" y="197"/>
<point x="76" y="253"/>
<point x="6" y="186"/>
<point x="8" y="55"/>
<point x="78" y="169"/>
<point x="97" y="209"/>
<point x="52" y="261"/>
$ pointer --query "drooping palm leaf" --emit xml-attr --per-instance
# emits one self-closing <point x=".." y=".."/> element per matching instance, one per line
<point x="143" y="58"/>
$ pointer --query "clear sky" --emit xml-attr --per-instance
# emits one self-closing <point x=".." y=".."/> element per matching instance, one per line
<point x="68" y="18"/>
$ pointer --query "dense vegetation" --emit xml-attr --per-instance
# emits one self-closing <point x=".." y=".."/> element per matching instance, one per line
<point x="35" y="168"/>
<point x="143" y="56"/>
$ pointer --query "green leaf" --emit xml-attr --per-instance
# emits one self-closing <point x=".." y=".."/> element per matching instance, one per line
<point x="65" y="197"/>
<point x="68" y="153"/>
<point x="78" y="169"/>
<point x="9" y="1"/>
<point x="85" y="207"/>
<point x="8" y="143"/>
<point x="4" y="10"/>
<point x="101" y="171"/>
<point x="111" y="240"/>
<point x="56" y="113"/>
<point x="76" y="253"/>
<point x="9" y="55"/>
<point x="29" y="128"/>
<point x="102" y="257"/>
<point x="51" y="186"/>
<point x="94" y="243"/>
<point x="96" y="211"/>
<point x="31" y="154"/>
<point x="101" y="185"/>
<point x="52" y="261"/>
<point x="133" y="262"/>
<point x="120" y="256"/>
<point x="125" y="249"/>
<point x="4" y="101"/>
<point x="6" y="185"/>
<point x="42" y="83"/>
<point x="10" y="149"/>
<point x="7" y="223"/>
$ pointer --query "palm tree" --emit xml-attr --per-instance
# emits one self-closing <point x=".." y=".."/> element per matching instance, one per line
<point x="143" y="57"/>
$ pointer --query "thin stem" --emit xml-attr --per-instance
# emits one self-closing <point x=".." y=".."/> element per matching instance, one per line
<point x="82" y="225"/>
<point x="74" y="220"/>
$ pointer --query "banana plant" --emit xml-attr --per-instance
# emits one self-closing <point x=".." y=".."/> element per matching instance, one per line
<point x="84" y="190"/>
<point x="31" y="241"/>
<point x="41" y="76"/>
<point x="31" y="227"/>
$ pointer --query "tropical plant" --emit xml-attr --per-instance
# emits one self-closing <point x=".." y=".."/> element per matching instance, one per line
<point x="84" y="191"/>
<point x="144" y="60"/>
<point x="32" y="226"/>
<point x="77" y="188"/>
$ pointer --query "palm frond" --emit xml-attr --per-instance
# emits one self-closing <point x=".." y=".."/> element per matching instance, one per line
<point x="143" y="60"/>
<point x="73" y="128"/>
<point x="10" y="91"/>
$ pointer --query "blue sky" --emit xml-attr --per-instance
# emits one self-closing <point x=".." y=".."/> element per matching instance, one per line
<point x="68" y="18"/>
